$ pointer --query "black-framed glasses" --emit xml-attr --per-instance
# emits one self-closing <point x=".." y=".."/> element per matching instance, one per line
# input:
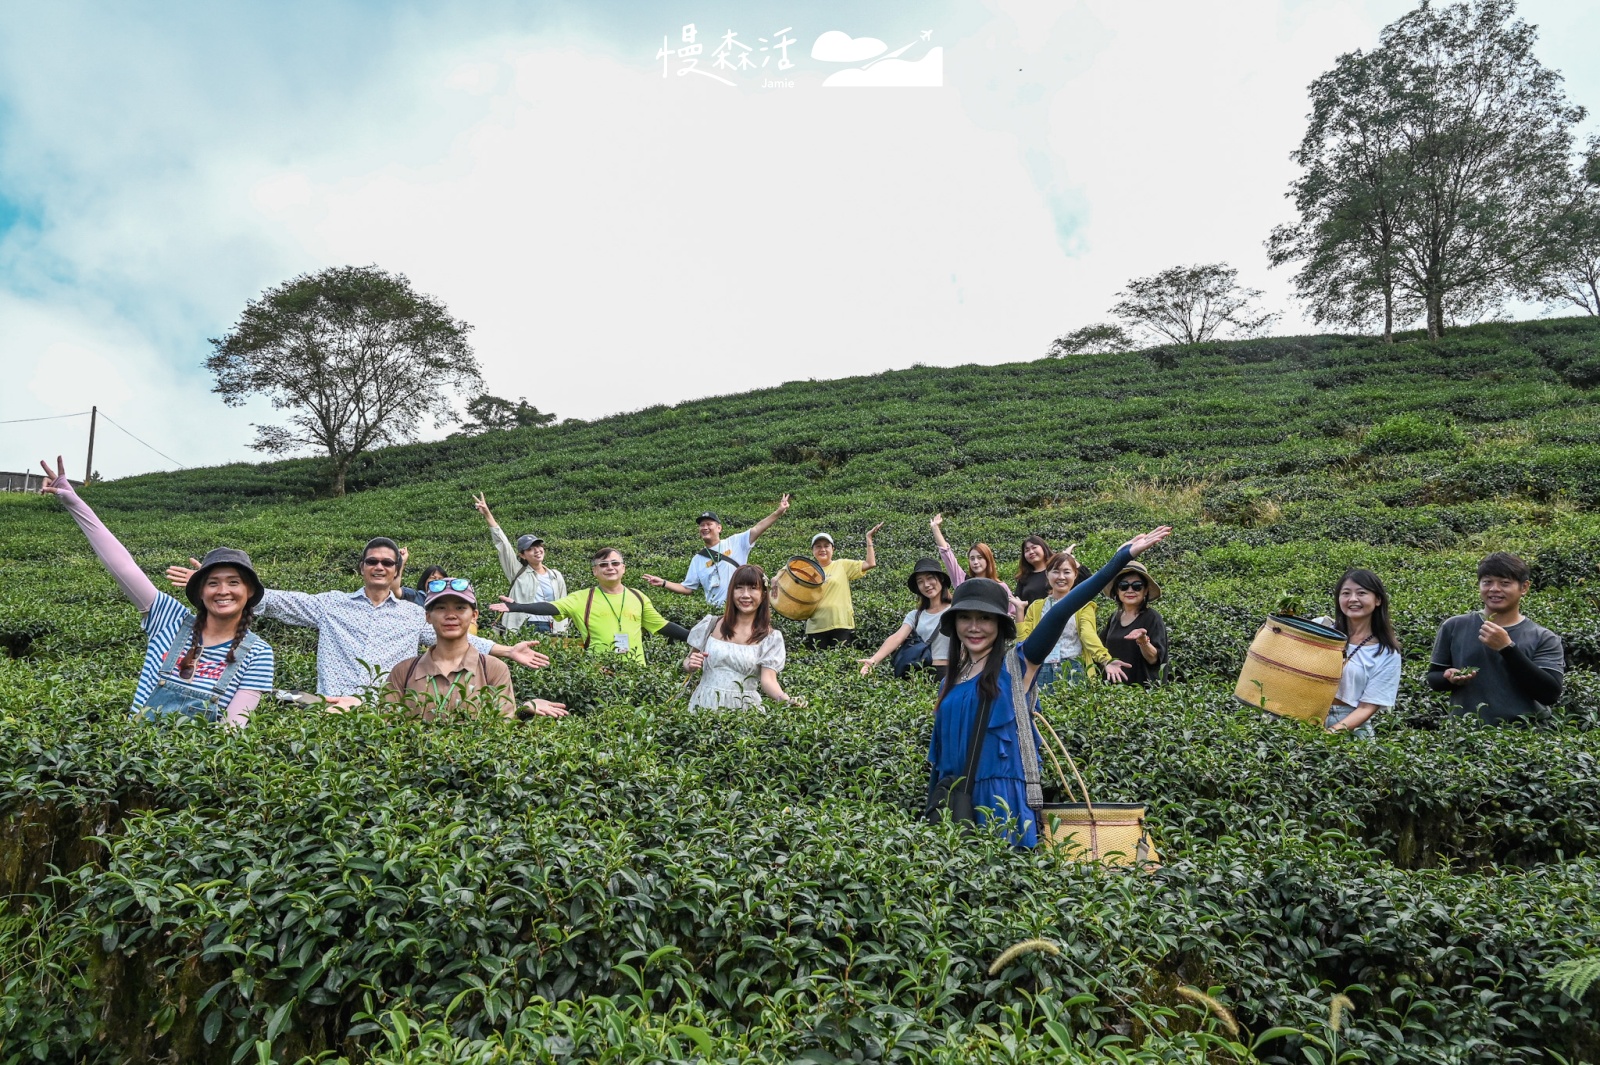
<point x="375" y="562"/>
<point x="1130" y="586"/>
<point x="610" y="563"/>
<point x="455" y="584"/>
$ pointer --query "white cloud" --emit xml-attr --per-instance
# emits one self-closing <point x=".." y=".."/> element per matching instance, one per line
<point x="924" y="73"/>
<point x="836" y="46"/>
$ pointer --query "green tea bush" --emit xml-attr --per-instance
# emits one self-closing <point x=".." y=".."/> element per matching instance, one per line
<point x="639" y="882"/>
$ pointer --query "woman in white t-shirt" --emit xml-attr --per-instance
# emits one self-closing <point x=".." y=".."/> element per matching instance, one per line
<point x="738" y="651"/>
<point x="1371" y="676"/>
<point x="931" y="585"/>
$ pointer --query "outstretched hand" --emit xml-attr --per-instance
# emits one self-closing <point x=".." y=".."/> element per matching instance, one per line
<point x="545" y="708"/>
<point x="783" y="504"/>
<point x="481" y="505"/>
<point x="1117" y="671"/>
<point x="873" y="531"/>
<point x="654" y="581"/>
<point x="501" y="607"/>
<point x="56" y="481"/>
<point x="867" y="665"/>
<point x="1145" y="541"/>
<point x="179" y="575"/>
<point x="523" y="654"/>
<point x="936" y="521"/>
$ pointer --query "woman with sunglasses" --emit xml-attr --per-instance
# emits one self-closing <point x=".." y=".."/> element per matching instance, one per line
<point x="980" y="562"/>
<point x="1135" y="634"/>
<point x="453" y="672"/>
<point x="988" y="679"/>
<point x="738" y="651"/>
<point x="201" y="660"/>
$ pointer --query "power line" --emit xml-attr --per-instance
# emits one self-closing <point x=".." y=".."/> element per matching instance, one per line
<point x="48" y="418"/>
<point x="163" y="454"/>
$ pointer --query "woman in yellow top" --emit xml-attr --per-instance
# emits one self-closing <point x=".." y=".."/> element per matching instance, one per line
<point x="1075" y="655"/>
<point x="834" y="621"/>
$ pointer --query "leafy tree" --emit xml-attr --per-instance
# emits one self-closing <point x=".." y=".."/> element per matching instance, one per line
<point x="1575" y="276"/>
<point x="1436" y="171"/>
<point x="492" y="412"/>
<point x="1349" y="197"/>
<point x="1092" y="340"/>
<point x="359" y="356"/>
<point x="1192" y="304"/>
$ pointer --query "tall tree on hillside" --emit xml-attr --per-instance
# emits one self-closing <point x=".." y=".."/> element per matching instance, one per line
<point x="1575" y="276"/>
<point x="359" y="356"/>
<point x="488" y="412"/>
<point x="1192" y="304"/>
<point x="1348" y="197"/>
<point x="1439" y="179"/>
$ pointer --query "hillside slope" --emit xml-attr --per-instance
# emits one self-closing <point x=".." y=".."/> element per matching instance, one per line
<point x="641" y="883"/>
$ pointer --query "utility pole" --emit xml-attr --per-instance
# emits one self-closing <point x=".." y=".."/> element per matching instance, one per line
<point x="88" y="473"/>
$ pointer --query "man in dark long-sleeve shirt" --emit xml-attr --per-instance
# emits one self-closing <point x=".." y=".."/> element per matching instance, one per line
<point x="1495" y="661"/>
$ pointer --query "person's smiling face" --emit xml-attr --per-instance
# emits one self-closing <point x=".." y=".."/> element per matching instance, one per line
<point x="930" y="586"/>
<point x="822" y="551"/>
<point x="1033" y="554"/>
<point x="225" y="592"/>
<point x="977" y="630"/>
<point x="977" y="565"/>
<point x="1356" y="602"/>
<point x="746" y="598"/>
<point x="1063" y="575"/>
<point x="1131" y="589"/>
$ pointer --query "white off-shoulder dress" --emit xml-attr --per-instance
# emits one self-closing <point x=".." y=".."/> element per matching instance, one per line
<point x="731" y="676"/>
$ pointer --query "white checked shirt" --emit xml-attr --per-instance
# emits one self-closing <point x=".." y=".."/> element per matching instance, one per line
<point x="350" y="631"/>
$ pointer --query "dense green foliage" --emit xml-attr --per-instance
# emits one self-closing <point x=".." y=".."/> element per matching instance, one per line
<point x="639" y="883"/>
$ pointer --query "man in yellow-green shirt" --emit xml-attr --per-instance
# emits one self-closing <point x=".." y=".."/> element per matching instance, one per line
<point x="834" y="621"/>
<point x="609" y="618"/>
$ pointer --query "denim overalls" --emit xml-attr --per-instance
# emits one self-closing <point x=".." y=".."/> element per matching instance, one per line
<point x="174" y="695"/>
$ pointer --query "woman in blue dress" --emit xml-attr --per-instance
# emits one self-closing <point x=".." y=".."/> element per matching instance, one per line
<point x="984" y="667"/>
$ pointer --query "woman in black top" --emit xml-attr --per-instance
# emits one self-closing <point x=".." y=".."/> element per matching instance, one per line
<point x="1135" y="634"/>
<point x="1033" y="578"/>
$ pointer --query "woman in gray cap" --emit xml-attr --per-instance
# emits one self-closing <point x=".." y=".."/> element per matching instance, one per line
<point x="531" y="580"/>
<point x="202" y="660"/>
<point x="987" y="686"/>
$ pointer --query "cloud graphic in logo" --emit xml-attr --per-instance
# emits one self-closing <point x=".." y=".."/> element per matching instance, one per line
<point x="925" y="73"/>
<point x="837" y="46"/>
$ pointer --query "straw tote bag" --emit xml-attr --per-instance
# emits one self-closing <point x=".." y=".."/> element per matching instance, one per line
<point x="1112" y="833"/>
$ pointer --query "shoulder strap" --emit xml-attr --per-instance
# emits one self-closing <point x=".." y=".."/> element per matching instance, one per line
<point x="637" y="594"/>
<point x="180" y="642"/>
<point x="1025" y="745"/>
<point x="980" y="729"/>
<point x="405" y="682"/>
<point x="587" y="606"/>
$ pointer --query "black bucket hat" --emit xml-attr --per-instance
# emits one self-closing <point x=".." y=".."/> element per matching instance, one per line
<point x="926" y="565"/>
<point x="225" y="556"/>
<point x="980" y="595"/>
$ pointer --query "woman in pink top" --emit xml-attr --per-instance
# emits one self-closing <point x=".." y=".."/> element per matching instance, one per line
<point x="980" y="562"/>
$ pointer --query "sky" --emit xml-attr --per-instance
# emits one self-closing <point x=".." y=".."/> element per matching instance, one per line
<point x="619" y="229"/>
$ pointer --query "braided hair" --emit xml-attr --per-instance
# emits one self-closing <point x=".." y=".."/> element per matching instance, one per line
<point x="191" y="655"/>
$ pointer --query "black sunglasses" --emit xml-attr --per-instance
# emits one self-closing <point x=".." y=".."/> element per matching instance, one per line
<point x="391" y="562"/>
<point x="1130" y="586"/>
<point x="455" y="584"/>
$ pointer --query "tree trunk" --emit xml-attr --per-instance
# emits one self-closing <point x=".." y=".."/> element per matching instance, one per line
<point x="1435" y="314"/>
<point x="1388" y="314"/>
<point x="336" y="488"/>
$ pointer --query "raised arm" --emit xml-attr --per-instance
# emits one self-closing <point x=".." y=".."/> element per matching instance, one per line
<point x="871" y="561"/>
<point x="124" y="570"/>
<point x="766" y="523"/>
<point x="1036" y="648"/>
<point x="504" y="551"/>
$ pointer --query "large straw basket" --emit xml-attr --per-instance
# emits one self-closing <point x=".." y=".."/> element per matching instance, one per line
<point x="1292" y="668"/>
<point x="797" y="589"/>
<point x="1112" y="833"/>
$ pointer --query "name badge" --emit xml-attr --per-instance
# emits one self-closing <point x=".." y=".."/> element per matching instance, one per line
<point x="619" y="643"/>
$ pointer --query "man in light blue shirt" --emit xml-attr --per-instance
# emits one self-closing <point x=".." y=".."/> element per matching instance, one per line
<point x="712" y="565"/>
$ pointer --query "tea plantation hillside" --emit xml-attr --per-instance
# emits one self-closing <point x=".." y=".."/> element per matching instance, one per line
<point x="639" y="883"/>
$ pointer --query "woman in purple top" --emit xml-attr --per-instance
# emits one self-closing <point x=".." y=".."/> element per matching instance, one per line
<point x="980" y="563"/>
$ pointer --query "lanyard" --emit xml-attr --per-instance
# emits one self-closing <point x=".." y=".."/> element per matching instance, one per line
<point x="1350" y="653"/>
<point x="616" y="611"/>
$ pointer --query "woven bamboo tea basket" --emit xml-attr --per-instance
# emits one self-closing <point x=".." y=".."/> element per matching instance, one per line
<point x="1112" y="833"/>
<point x="1292" y="668"/>
<point x="797" y="589"/>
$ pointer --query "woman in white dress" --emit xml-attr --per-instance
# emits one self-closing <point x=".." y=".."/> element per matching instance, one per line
<point x="738" y="652"/>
